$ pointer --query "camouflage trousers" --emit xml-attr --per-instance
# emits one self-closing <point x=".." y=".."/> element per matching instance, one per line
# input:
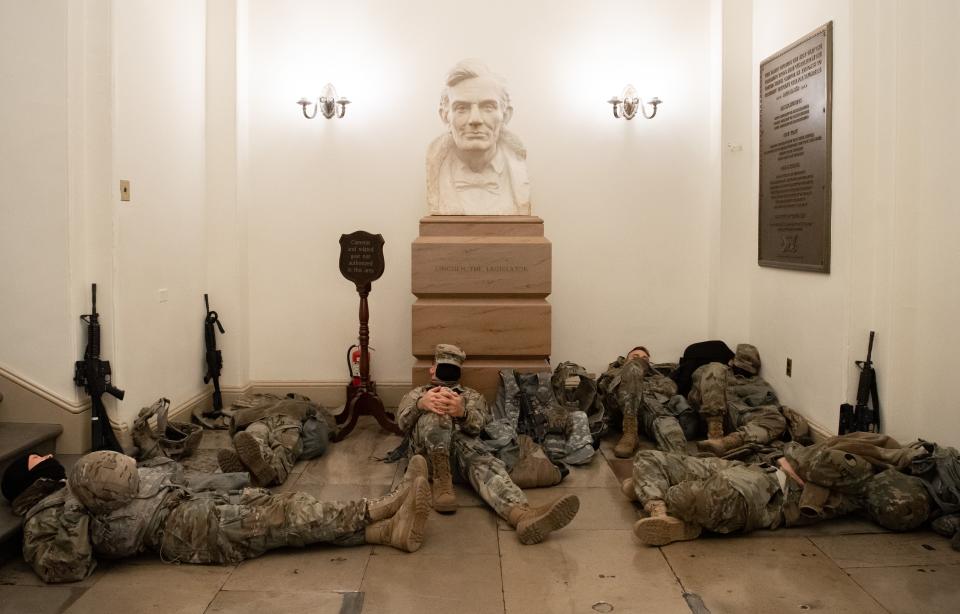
<point x="470" y="460"/>
<point x="719" y="495"/>
<point x="279" y="441"/>
<point x="218" y="528"/>
<point x="653" y="419"/>
<point x="759" y="425"/>
<point x="570" y="441"/>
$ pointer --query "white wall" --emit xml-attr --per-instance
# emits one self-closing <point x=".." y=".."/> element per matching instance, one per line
<point x="159" y="130"/>
<point x="893" y="214"/>
<point x="37" y="334"/>
<point x="909" y="207"/>
<point x="625" y="203"/>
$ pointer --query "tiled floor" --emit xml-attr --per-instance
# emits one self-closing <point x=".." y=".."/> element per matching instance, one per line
<point x="471" y="562"/>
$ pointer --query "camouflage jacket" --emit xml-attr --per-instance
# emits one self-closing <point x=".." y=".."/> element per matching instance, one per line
<point x="61" y="536"/>
<point x="654" y="382"/>
<point x="748" y="393"/>
<point x="476" y="414"/>
<point x="846" y="462"/>
<point x="252" y="407"/>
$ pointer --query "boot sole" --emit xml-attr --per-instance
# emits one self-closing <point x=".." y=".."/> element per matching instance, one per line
<point x="558" y="516"/>
<point x="421" y="511"/>
<point x="229" y="462"/>
<point x="660" y="531"/>
<point x="248" y="449"/>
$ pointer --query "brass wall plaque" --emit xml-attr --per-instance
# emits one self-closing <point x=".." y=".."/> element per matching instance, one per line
<point x="795" y="143"/>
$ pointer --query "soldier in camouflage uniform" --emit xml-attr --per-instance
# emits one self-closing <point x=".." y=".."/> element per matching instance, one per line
<point x="111" y="508"/>
<point x="737" y="395"/>
<point x="271" y="433"/>
<point x="684" y="494"/>
<point x="632" y="389"/>
<point x="443" y="420"/>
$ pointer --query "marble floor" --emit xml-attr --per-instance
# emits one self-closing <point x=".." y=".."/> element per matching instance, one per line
<point x="472" y="563"/>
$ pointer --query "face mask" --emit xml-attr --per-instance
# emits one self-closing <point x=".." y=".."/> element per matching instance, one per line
<point x="448" y="373"/>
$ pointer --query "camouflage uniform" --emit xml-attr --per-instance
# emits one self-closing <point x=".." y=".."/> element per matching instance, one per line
<point x="66" y="530"/>
<point x="727" y="496"/>
<point x="747" y="403"/>
<point x="566" y="438"/>
<point x="277" y="426"/>
<point x="632" y="388"/>
<point x="470" y="458"/>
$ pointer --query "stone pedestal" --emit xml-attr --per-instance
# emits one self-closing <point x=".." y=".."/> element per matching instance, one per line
<point x="481" y="283"/>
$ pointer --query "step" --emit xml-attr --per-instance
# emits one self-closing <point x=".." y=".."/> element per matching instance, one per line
<point x="17" y="439"/>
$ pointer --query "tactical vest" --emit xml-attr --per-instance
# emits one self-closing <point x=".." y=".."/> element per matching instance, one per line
<point x="170" y="438"/>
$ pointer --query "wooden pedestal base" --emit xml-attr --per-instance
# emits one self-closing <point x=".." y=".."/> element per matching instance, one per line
<point x="363" y="401"/>
<point x="481" y="283"/>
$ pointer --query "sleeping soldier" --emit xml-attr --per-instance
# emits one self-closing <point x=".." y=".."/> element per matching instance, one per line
<point x="860" y="471"/>
<point x="643" y="398"/>
<point x="110" y="508"/>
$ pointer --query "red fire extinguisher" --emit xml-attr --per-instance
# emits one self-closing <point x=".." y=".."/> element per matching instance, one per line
<point x="353" y="362"/>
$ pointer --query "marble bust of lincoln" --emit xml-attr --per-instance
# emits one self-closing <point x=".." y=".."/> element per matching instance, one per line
<point x="477" y="167"/>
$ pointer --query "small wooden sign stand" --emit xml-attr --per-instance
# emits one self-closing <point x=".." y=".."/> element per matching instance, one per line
<point x="361" y="261"/>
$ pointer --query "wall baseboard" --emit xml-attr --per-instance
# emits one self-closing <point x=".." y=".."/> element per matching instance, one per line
<point x="25" y="401"/>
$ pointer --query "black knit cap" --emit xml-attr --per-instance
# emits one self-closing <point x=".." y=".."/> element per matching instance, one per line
<point x="17" y="478"/>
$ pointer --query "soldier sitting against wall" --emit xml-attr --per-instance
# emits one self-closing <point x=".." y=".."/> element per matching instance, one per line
<point x="443" y="420"/>
<point x="109" y="507"/>
<point x="642" y="398"/>
<point x="856" y="472"/>
<point x="732" y="398"/>
<point x="271" y="433"/>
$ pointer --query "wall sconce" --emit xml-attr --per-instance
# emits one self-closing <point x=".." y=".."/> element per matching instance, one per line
<point x="626" y="106"/>
<point x="328" y="104"/>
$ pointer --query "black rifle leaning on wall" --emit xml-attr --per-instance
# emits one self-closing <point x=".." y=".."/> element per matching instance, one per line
<point x="93" y="375"/>
<point x="865" y="415"/>
<point x="214" y="356"/>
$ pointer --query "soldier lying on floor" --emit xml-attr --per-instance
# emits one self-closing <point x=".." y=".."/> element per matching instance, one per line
<point x="443" y="420"/>
<point x="641" y="398"/>
<point x="111" y="508"/>
<point x="855" y="472"/>
<point x="271" y="433"/>
<point x="734" y="398"/>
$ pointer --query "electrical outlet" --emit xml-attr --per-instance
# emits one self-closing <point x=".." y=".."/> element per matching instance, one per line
<point x="162" y="295"/>
<point x="789" y="367"/>
<point x="125" y="190"/>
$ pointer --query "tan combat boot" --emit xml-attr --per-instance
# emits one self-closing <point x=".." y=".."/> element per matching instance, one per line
<point x="254" y="457"/>
<point x="534" y="469"/>
<point x="387" y="505"/>
<point x="628" y="490"/>
<point x="714" y="427"/>
<point x="721" y="446"/>
<point x="229" y="462"/>
<point x="533" y="524"/>
<point x="404" y="530"/>
<point x="627" y="443"/>
<point x="659" y="529"/>
<point x="444" y="498"/>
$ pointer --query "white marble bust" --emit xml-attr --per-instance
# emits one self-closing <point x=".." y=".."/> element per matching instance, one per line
<point x="476" y="167"/>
